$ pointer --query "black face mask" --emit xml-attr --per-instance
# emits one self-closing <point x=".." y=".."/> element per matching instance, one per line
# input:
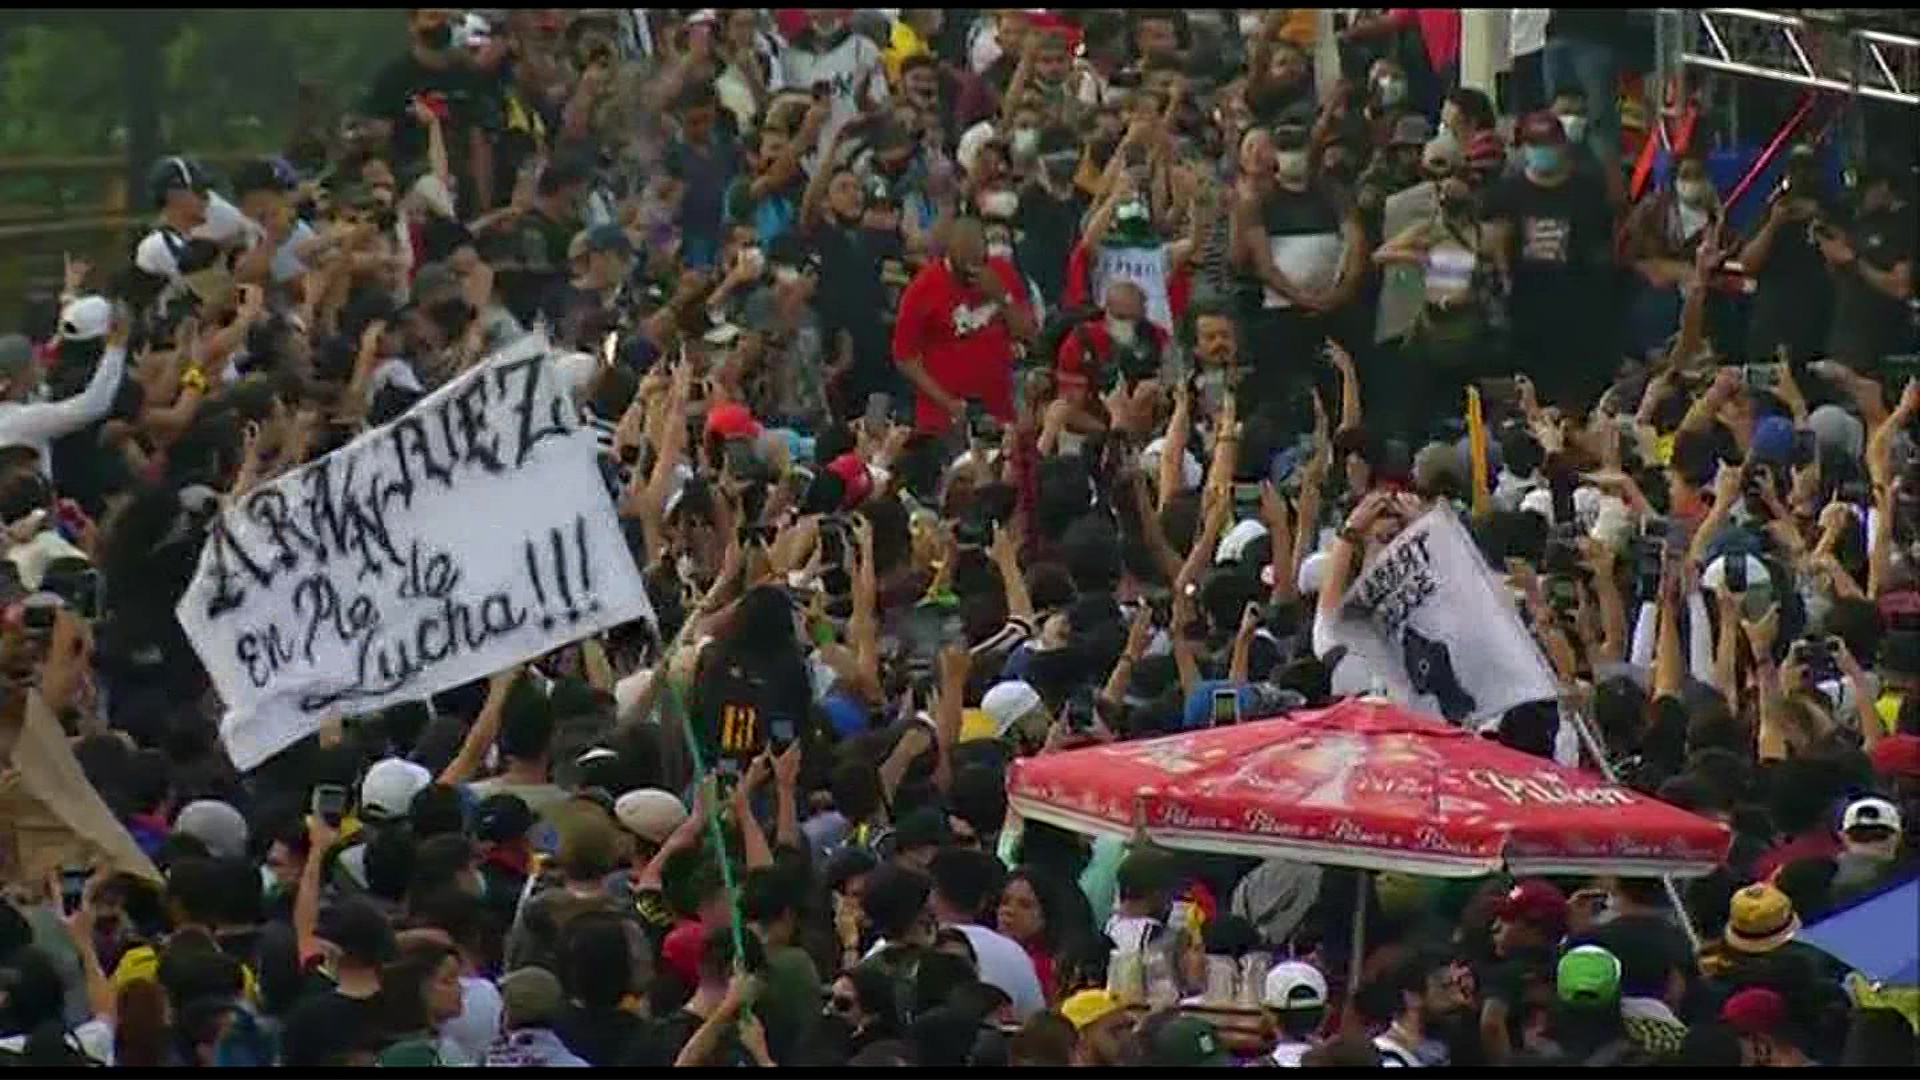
<point x="436" y="37"/>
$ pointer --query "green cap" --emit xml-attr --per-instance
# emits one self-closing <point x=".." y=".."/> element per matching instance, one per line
<point x="1588" y="975"/>
<point x="1186" y="1042"/>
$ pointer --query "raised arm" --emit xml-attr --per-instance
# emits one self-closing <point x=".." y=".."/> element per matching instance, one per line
<point x="486" y="727"/>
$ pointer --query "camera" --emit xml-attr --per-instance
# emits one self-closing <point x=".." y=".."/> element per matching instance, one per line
<point x="1760" y="376"/>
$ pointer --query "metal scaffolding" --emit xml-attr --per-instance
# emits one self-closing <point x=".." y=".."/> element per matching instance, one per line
<point x="1838" y="55"/>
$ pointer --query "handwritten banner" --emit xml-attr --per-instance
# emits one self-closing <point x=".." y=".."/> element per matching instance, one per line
<point x="472" y="533"/>
<point x="1145" y="267"/>
<point x="1427" y="620"/>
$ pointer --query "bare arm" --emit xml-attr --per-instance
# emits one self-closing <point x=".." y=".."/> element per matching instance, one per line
<point x="486" y="727"/>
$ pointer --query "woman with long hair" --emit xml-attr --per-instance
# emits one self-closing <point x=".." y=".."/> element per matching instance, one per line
<point x="1042" y="913"/>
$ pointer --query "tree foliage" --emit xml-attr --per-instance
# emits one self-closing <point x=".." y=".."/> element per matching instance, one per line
<point x="229" y="76"/>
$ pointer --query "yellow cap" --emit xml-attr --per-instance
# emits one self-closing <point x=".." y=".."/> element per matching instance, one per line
<point x="1089" y="1007"/>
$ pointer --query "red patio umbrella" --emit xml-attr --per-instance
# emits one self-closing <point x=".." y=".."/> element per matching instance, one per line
<point x="1370" y="785"/>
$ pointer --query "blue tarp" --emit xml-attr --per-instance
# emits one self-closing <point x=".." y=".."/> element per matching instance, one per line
<point x="1878" y="937"/>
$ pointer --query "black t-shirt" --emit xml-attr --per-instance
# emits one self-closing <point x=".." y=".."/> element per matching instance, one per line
<point x="532" y="259"/>
<point x="326" y="1026"/>
<point x="1645" y="938"/>
<point x="1044" y="231"/>
<point x="567" y="305"/>
<point x="1793" y="296"/>
<point x="471" y="96"/>
<point x="742" y="703"/>
<point x="1562" y="243"/>
<point x="1867" y="323"/>
<point x="1318" y="212"/>
<point x="854" y="297"/>
<point x="667" y="1037"/>
<point x="601" y="1036"/>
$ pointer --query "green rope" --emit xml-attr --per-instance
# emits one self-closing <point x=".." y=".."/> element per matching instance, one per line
<point x="716" y="834"/>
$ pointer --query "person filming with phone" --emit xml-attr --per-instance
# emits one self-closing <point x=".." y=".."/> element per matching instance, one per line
<point x="954" y="339"/>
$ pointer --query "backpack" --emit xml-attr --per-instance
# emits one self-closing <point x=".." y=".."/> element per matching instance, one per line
<point x="1053" y="333"/>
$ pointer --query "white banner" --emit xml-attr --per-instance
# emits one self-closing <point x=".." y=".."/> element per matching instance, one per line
<point x="471" y="533"/>
<point x="1432" y="624"/>
<point x="1145" y="267"/>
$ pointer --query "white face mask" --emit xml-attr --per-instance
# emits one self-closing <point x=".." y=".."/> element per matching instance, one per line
<point x="1391" y="91"/>
<point x="1290" y="165"/>
<point x="1692" y="192"/>
<point x="1026" y="140"/>
<point x="1121" y="331"/>
<point x="1575" y="127"/>
<point x="1000" y="250"/>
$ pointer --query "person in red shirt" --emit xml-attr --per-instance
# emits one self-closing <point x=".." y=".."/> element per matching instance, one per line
<point x="956" y="329"/>
<point x="1120" y="331"/>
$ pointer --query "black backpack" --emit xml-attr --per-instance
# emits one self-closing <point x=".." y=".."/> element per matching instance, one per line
<point x="1053" y="333"/>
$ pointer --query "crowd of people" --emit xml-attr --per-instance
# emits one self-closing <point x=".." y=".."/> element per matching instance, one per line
<point x="975" y="385"/>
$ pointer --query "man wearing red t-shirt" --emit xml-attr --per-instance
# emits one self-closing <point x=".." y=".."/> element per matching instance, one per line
<point x="1122" y="329"/>
<point x="957" y="324"/>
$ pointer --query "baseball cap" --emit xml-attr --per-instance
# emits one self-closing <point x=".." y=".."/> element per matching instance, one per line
<point x="175" y="173"/>
<point x="650" y="813"/>
<point x="1007" y="703"/>
<point x="1542" y="128"/>
<point x="1715" y="577"/>
<point x="606" y="238"/>
<point x="1294" y="984"/>
<point x="854" y="475"/>
<point x="1588" y="975"/>
<point x="1089" y="1007"/>
<point x="1757" y="1010"/>
<point x="502" y="818"/>
<point x="530" y="996"/>
<point x="1760" y="919"/>
<point x="1896" y="755"/>
<point x="732" y="420"/>
<point x="1534" y="902"/>
<point x="1411" y="130"/>
<point x="218" y="827"/>
<point x="389" y="787"/>
<point x="1870" y="813"/>
<point x="86" y="319"/>
<point x="1185" y="1042"/>
<point x="1772" y="440"/>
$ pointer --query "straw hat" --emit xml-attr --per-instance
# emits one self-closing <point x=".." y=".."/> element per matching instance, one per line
<point x="1760" y="920"/>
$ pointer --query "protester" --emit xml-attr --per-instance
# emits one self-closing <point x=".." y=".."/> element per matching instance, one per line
<point x="951" y="390"/>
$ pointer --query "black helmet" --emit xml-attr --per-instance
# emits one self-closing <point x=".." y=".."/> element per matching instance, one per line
<point x="175" y="173"/>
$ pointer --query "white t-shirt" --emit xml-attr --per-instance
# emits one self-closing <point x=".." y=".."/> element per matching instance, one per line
<point x="1004" y="964"/>
<point x="464" y="1040"/>
<point x="846" y="68"/>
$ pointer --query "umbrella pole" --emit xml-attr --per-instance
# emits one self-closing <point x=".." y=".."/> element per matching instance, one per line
<point x="1594" y="750"/>
<point x="1356" y="954"/>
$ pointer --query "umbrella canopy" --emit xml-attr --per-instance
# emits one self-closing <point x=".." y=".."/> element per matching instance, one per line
<point x="1879" y="937"/>
<point x="1370" y="785"/>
